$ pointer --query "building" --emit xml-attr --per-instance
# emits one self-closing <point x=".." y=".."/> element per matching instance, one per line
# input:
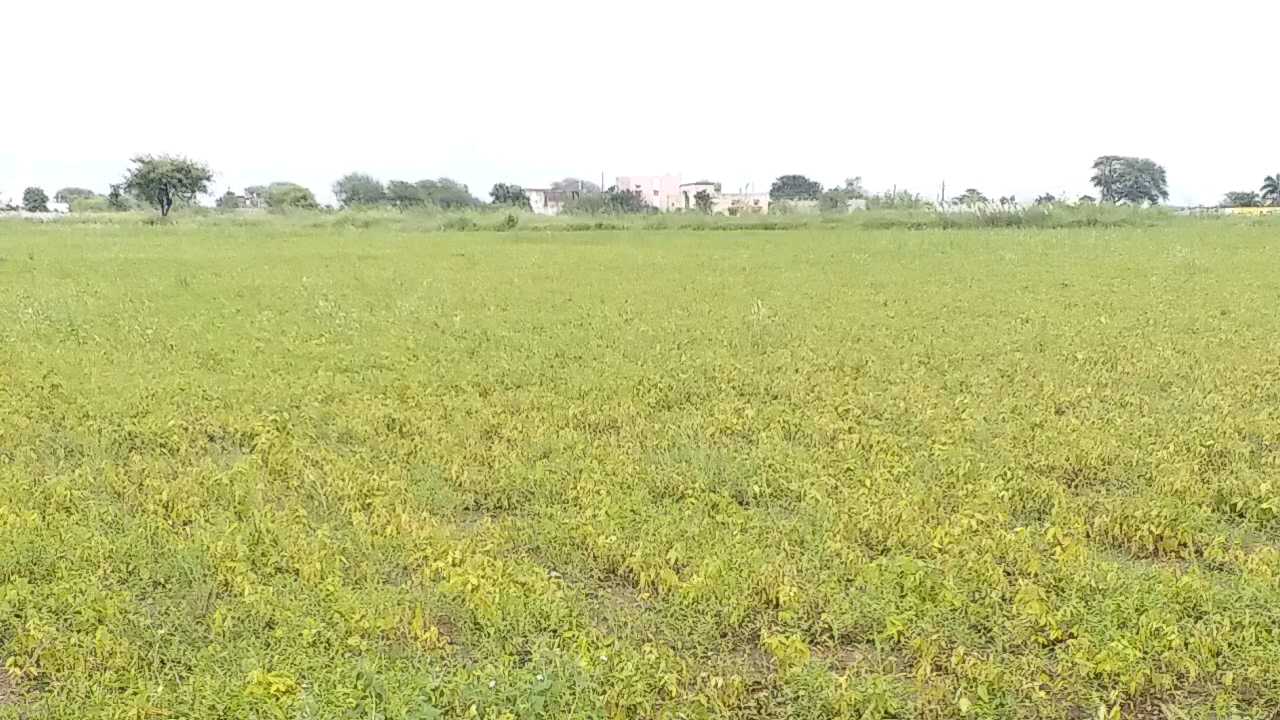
<point x="668" y="194"/>
<point x="548" y="202"/>
<point x="663" y="192"/>
<point x="744" y="203"/>
<point x="689" y="193"/>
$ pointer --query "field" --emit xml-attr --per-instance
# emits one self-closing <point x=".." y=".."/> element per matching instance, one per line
<point x="271" y="470"/>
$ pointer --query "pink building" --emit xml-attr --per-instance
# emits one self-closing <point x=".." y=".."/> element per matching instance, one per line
<point x="660" y="191"/>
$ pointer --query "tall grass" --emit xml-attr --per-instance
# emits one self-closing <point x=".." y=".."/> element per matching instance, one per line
<point x="1062" y="217"/>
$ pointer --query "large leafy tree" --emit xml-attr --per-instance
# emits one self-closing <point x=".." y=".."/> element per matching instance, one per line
<point x="972" y="197"/>
<point x="1271" y="189"/>
<point x="289" y="196"/>
<point x="1131" y="180"/>
<point x="510" y="195"/>
<point x="358" y="189"/>
<point x="1243" y="198"/>
<point x="446" y="194"/>
<point x="34" y="200"/>
<point x="403" y="194"/>
<point x="160" y="180"/>
<point x="794" y="187"/>
<point x="69" y="195"/>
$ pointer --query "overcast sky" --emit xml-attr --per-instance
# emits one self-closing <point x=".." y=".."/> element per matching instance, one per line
<point x="1009" y="97"/>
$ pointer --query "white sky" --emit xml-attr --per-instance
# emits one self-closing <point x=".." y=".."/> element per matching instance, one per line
<point x="1009" y="97"/>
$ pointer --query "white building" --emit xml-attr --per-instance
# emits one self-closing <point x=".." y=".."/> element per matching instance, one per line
<point x="549" y="202"/>
<point x="660" y="191"/>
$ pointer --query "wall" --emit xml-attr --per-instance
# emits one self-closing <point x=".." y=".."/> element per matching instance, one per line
<point x="689" y="190"/>
<point x="660" y="191"/>
<point x="742" y="203"/>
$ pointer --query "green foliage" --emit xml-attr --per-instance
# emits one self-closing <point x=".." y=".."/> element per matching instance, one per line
<point x="69" y="195"/>
<point x="1246" y="198"/>
<point x="1047" y="199"/>
<point x="586" y="204"/>
<point x="161" y="180"/>
<point x="256" y="196"/>
<point x="93" y="204"/>
<point x="794" y="187"/>
<point x="613" y="202"/>
<point x="228" y="201"/>
<point x="837" y="200"/>
<point x="897" y="200"/>
<point x="403" y="195"/>
<point x="34" y="200"/>
<point x="971" y="198"/>
<point x="626" y="202"/>
<point x="446" y="194"/>
<point x="355" y="190"/>
<point x="1137" y="181"/>
<point x="288" y="196"/>
<point x="509" y="196"/>
<point x="311" y="466"/>
<point x="703" y="201"/>
<point x="1271" y="189"/>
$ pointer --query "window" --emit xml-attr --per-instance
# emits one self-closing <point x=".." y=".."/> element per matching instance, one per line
<point x="655" y="193"/>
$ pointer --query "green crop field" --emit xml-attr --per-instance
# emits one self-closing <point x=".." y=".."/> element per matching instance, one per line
<point x="279" y="470"/>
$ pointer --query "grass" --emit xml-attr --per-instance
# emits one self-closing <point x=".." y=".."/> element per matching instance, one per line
<point x="297" y="468"/>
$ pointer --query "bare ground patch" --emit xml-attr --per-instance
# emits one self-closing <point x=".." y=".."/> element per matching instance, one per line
<point x="8" y="689"/>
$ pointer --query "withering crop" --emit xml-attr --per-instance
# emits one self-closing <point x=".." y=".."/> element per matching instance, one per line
<point x="281" y="472"/>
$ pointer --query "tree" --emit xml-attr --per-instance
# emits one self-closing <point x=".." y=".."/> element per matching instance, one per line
<point x="794" y="187"/>
<point x="404" y="195"/>
<point x="159" y="180"/>
<point x="574" y="184"/>
<point x="358" y="189"/>
<point x="702" y="200"/>
<point x="1245" y="198"/>
<point x="229" y="201"/>
<point x="512" y="195"/>
<point x="97" y="203"/>
<point x="255" y="196"/>
<point x="34" y="200"/>
<point x="626" y="202"/>
<point x="1046" y="199"/>
<point x="69" y="195"/>
<point x="1130" y="180"/>
<point x="972" y="197"/>
<point x="116" y="199"/>
<point x="1271" y="189"/>
<point x="446" y="194"/>
<point x="289" y="196"/>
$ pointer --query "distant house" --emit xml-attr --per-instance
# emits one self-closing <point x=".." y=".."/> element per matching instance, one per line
<point x="549" y="202"/>
<point x="663" y="192"/>
<point x="668" y="194"/>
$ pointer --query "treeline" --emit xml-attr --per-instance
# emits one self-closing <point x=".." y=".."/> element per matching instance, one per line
<point x="163" y="182"/>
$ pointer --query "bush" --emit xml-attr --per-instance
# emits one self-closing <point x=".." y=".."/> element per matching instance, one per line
<point x="460" y="223"/>
<point x="93" y="204"/>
